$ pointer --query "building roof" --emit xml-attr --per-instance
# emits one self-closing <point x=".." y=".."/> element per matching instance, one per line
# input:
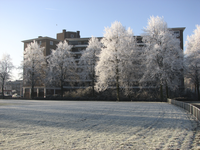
<point x="40" y="38"/>
<point x="82" y="39"/>
<point x="178" y="28"/>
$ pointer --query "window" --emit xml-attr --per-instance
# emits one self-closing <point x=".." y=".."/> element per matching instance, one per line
<point x="78" y="56"/>
<point x="51" y="42"/>
<point x="72" y="36"/>
<point x="79" y="43"/>
<point x="40" y="42"/>
<point x="177" y="33"/>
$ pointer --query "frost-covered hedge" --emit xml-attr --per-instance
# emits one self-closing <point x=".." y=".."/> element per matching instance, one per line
<point x="110" y="94"/>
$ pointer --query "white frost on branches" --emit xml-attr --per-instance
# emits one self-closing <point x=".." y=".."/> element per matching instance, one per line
<point x="115" y="55"/>
<point x="192" y="58"/>
<point x="131" y="70"/>
<point x="6" y="67"/>
<point x="61" y="65"/>
<point x="162" y="55"/>
<point x="89" y="60"/>
<point x="193" y="41"/>
<point x="33" y="65"/>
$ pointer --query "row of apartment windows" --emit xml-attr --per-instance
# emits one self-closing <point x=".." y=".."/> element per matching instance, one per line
<point x="78" y="43"/>
<point x="70" y="43"/>
<point x="40" y="42"/>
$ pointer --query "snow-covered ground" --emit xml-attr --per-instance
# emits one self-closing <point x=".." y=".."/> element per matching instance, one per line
<point x="95" y="125"/>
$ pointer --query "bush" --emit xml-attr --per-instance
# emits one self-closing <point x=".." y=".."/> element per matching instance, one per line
<point x="110" y="94"/>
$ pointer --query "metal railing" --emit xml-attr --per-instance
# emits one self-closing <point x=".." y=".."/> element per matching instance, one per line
<point x="189" y="107"/>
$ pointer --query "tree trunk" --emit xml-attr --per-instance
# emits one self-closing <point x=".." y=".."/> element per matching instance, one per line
<point x="197" y="83"/>
<point x="198" y="91"/>
<point x="117" y="77"/>
<point x="93" y="88"/>
<point x="93" y="80"/>
<point x="32" y="91"/>
<point x="32" y="81"/>
<point x="167" y="92"/>
<point x="32" y="87"/>
<point x="129" y="96"/>
<point x="117" y="82"/>
<point x="161" y="93"/>
<point x="2" y="89"/>
<point x="117" y="90"/>
<point x="62" y="90"/>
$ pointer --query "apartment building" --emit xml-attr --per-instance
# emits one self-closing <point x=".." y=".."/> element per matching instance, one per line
<point x="79" y="45"/>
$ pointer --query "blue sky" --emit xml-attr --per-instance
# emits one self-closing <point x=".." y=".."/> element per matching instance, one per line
<point x="26" y="19"/>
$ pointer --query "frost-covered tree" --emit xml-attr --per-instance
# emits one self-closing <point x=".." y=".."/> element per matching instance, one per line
<point x="61" y="66"/>
<point x="6" y="67"/>
<point x="33" y="65"/>
<point x="114" y="56"/>
<point x="163" y="57"/>
<point x="89" y="60"/>
<point x="132" y="68"/>
<point x="192" y="59"/>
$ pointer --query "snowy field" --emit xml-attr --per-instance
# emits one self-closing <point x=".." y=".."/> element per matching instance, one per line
<point x="95" y="125"/>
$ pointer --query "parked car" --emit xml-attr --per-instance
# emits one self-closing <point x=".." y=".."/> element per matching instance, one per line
<point x="16" y="96"/>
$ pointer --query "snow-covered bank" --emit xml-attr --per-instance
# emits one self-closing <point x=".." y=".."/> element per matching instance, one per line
<point x="95" y="125"/>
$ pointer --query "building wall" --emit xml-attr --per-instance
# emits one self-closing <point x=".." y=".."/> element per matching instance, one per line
<point x="50" y="44"/>
<point x="62" y="36"/>
<point x="179" y="34"/>
<point x="45" y="42"/>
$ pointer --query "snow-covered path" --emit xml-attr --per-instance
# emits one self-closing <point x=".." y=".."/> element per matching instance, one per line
<point x="95" y="125"/>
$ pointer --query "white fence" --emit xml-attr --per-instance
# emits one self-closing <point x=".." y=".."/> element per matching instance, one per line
<point x="190" y="108"/>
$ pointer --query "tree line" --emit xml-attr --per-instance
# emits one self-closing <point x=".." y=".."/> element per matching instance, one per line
<point x="116" y="61"/>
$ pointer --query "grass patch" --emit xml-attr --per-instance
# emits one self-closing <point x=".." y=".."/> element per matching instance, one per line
<point x="6" y="104"/>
